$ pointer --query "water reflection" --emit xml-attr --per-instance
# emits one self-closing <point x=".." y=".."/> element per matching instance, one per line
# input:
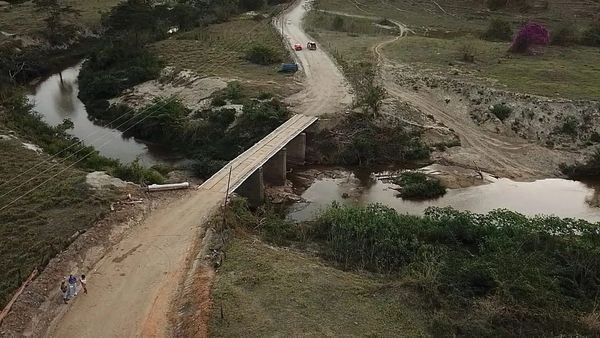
<point x="560" y="197"/>
<point x="56" y="99"/>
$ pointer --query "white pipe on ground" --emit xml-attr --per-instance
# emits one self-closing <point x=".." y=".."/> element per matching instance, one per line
<point x="174" y="186"/>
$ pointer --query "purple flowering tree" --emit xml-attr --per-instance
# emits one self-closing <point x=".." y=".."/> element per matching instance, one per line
<point x="531" y="34"/>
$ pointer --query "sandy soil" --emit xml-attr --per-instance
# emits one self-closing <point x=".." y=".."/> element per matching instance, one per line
<point x="326" y="90"/>
<point x="132" y="286"/>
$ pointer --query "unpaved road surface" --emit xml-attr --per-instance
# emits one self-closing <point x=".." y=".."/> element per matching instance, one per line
<point x="130" y="289"/>
<point x="480" y="149"/>
<point x="326" y="90"/>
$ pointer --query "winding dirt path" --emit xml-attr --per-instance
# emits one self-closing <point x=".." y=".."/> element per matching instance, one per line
<point x="480" y="149"/>
<point x="325" y="88"/>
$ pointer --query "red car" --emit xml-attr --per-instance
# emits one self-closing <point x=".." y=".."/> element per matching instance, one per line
<point x="297" y="47"/>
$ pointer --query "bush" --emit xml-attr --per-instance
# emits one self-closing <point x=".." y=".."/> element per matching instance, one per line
<point x="589" y="169"/>
<point x="501" y="111"/>
<point x="542" y="275"/>
<point x="136" y="173"/>
<point x="495" y="5"/>
<point x="565" y="35"/>
<point x="252" y="5"/>
<point x="264" y="96"/>
<point x="467" y="51"/>
<point x="218" y="101"/>
<point x="205" y="167"/>
<point x="338" y="23"/>
<point x="416" y="185"/>
<point x="570" y="126"/>
<point x="591" y="36"/>
<point x="498" y="30"/>
<point x="530" y="35"/>
<point x="263" y="55"/>
<point x="234" y="91"/>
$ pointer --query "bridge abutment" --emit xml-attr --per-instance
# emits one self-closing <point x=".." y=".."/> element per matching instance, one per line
<point x="253" y="188"/>
<point x="275" y="169"/>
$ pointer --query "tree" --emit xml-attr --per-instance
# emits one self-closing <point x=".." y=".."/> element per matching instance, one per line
<point x="369" y="94"/>
<point x="530" y="35"/>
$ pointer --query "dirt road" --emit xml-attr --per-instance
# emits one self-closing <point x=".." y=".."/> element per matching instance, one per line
<point x="325" y="88"/>
<point x="131" y="287"/>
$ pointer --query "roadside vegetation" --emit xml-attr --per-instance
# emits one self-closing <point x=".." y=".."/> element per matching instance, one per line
<point x="363" y="139"/>
<point x="456" y="273"/>
<point x="209" y="137"/>
<point x="37" y="226"/>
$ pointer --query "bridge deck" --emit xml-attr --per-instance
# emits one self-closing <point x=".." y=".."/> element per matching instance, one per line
<point x="249" y="161"/>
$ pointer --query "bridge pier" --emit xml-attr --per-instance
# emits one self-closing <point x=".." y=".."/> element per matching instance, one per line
<point x="253" y="188"/>
<point x="296" y="149"/>
<point x="275" y="169"/>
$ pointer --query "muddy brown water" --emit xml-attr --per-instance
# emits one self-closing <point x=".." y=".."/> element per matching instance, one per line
<point x="560" y="197"/>
<point x="56" y="101"/>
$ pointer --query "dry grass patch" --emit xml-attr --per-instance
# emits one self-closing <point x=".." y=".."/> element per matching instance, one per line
<point x="220" y="50"/>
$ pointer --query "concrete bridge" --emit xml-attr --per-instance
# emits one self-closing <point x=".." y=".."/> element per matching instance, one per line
<point x="266" y="161"/>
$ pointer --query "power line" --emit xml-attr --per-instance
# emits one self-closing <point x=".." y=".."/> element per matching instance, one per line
<point x="91" y="152"/>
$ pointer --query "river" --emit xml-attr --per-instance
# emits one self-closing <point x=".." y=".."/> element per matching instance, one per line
<point x="559" y="197"/>
<point x="56" y="101"/>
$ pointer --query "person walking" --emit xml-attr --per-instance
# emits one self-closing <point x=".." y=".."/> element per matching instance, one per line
<point x="72" y="286"/>
<point x="83" y="282"/>
<point x="64" y="289"/>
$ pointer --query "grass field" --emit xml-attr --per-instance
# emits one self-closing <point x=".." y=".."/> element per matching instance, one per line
<point x="219" y="50"/>
<point x="571" y="72"/>
<point x="276" y="292"/>
<point x="26" y="18"/>
<point x="39" y="225"/>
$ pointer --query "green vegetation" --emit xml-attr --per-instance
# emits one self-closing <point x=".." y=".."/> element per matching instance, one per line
<point x="222" y="49"/>
<point x="39" y="225"/>
<point x="210" y="137"/>
<point x="460" y="274"/>
<point x="565" y="35"/>
<point x="589" y="169"/>
<point x="570" y="126"/>
<point x="267" y="291"/>
<point x="591" y="36"/>
<point x="16" y="115"/>
<point x="362" y="139"/>
<point x="568" y="72"/>
<point x="501" y="111"/>
<point x="416" y="185"/>
<point x="263" y="55"/>
<point x="498" y="30"/>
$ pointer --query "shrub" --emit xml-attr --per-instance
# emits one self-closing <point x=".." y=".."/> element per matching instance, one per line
<point x="530" y="35"/>
<point x="252" y="5"/>
<point x="501" y="111"/>
<point x="264" y="96"/>
<point x="338" y="23"/>
<point x="136" y="173"/>
<point x="218" y="101"/>
<point x="498" y="30"/>
<point x="495" y="5"/>
<point x="591" y="36"/>
<point x="591" y="168"/>
<point x="263" y="55"/>
<point x="205" y="167"/>
<point x="467" y="52"/>
<point x="234" y="91"/>
<point x="565" y="35"/>
<point x="569" y="126"/>
<point x="416" y="185"/>
<point x="595" y="137"/>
